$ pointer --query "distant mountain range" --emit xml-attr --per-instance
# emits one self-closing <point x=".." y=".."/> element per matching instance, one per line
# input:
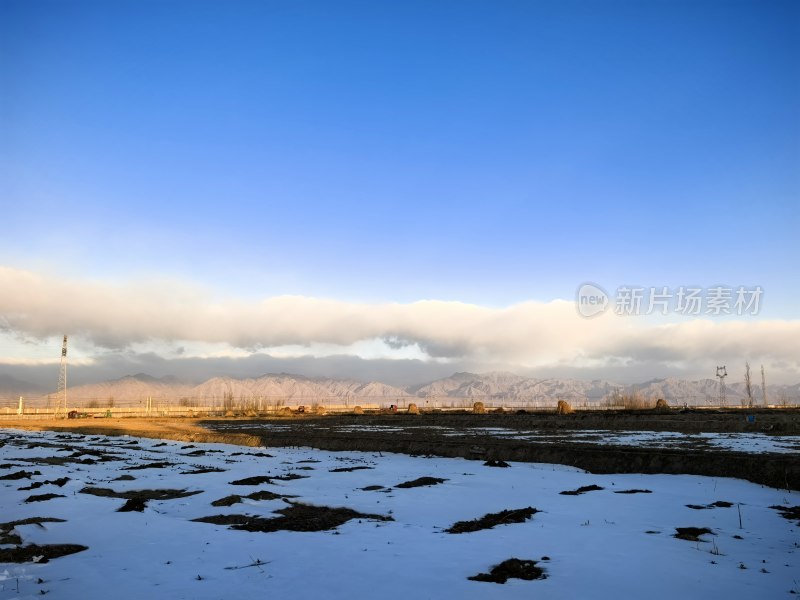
<point x="493" y="386"/>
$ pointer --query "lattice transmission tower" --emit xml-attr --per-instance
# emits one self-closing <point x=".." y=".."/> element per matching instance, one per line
<point x="722" y="373"/>
<point x="61" y="394"/>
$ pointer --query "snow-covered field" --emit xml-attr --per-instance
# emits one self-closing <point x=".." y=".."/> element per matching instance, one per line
<point x="598" y="544"/>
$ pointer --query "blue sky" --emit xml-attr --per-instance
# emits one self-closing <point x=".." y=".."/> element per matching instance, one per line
<point x="489" y="153"/>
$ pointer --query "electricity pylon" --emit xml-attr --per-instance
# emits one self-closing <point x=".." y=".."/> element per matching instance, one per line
<point x="61" y="394"/>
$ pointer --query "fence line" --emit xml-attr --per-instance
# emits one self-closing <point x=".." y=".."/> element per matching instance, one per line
<point x="152" y="406"/>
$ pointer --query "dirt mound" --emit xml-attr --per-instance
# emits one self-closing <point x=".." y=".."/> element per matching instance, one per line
<point x="488" y="521"/>
<point x="20" y="475"/>
<point x="43" y="497"/>
<point x="296" y="517"/>
<point x="717" y="504"/>
<point x="513" y="568"/>
<point x="60" y="482"/>
<point x="163" y="494"/>
<point x="692" y="534"/>
<point x="7" y="536"/>
<point x="581" y="490"/>
<point x="152" y="465"/>
<point x="202" y="470"/>
<point x="788" y="512"/>
<point x="564" y="408"/>
<point x="348" y="469"/>
<point x="236" y="498"/>
<point x="422" y="481"/>
<point x="39" y="554"/>
<point x="256" y="480"/>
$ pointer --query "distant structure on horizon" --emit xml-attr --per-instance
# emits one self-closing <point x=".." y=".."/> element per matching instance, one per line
<point x="61" y="393"/>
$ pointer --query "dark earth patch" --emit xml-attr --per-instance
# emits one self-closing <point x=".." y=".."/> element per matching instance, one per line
<point x="295" y="517"/>
<point x="634" y="492"/>
<point x="513" y="568"/>
<point x="372" y="488"/>
<point x="420" y="482"/>
<point x="152" y="465"/>
<point x="164" y="494"/>
<point x="257" y="480"/>
<point x="43" y="497"/>
<point x="581" y="490"/>
<point x="788" y="512"/>
<point x="496" y="463"/>
<point x="47" y="552"/>
<point x="692" y="534"/>
<point x="202" y="470"/>
<point x="259" y="454"/>
<point x="60" y="482"/>
<point x="488" y="521"/>
<point x="348" y="469"/>
<point x="19" y="475"/>
<point x="236" y="498"/>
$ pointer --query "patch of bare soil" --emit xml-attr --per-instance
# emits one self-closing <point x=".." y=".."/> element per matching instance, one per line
<point x="136" y="500"/>
<point x="692" y="534"/>
<point x="634" y="491"/>
<point x="151" y="465"/>
<point x="289" y="477"/>
<point x="295" y="517"/>
<point x="348" y="469"/>
<point x="39" y="554"/>
<point x="256" y="480"/>
<point x="202" y="470"/>
<point x="513" y="568"/>
<point x="8" y="536"/>
<point x="488" y="521"/>
<point x="259" y="454"/>
<point x="260" y="495"/>
<point x="717" y="504"/>
<point x="496" y="463"/>
<point x="788" y="512"/>
<point x="31" y="552"/>
<point x="372" y="488"/>
<point x="60" y="482"/>
<point x="43" y="497"/>
<point x="581" y="490"/>
<point x="124" y="478"/>
<point x="420" y="482"/>
<point x="19" y="475"/>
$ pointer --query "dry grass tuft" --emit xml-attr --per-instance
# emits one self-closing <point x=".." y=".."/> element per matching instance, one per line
<point x="358" y="410"/>
<point x="479" y="408"/>
<point x="564" y="408"/>
<point x="413" y="409"/>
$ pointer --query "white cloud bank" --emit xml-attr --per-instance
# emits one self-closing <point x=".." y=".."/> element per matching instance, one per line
<point x="529" y="334"/>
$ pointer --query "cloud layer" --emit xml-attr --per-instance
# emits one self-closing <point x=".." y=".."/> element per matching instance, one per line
<point x="528" y="334"/>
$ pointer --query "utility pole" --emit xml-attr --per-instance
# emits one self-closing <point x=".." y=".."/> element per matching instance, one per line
<point x="61" y="394"/>
<point x="764" y="386"/>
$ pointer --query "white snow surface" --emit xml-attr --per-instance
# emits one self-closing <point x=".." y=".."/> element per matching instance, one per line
<point x="600" y="544"/>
